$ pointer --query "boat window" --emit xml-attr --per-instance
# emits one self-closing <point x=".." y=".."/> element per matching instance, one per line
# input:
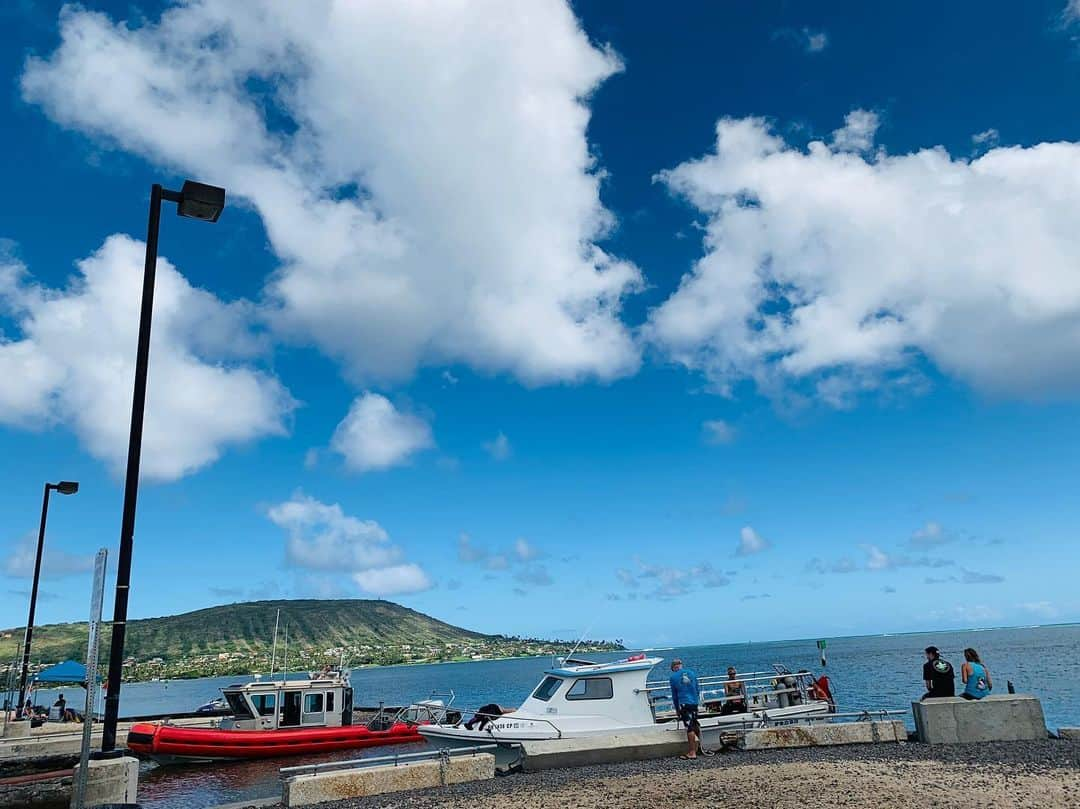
<point x="238" y="705"/>
<point x="591" y="688"/>
<point x="264" y="703"/>
<point x="329" y="701"/>
<point x="546" y="690"/>
<point x="313" y="703"/>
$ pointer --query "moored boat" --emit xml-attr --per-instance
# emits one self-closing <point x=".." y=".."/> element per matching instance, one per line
<point x="274" y="718"/>
<point x="578" y="698"/>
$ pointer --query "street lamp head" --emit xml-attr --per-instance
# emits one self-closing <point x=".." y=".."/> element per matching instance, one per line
<point x="201" y="201"/>
<point x="67" y="487"/>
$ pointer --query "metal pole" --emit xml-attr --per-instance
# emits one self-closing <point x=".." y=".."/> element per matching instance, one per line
<point x="97" y="596"/>
<point x="273" y="654"/>
<point x="131" y="486"/>
<point x="33" y="601"/>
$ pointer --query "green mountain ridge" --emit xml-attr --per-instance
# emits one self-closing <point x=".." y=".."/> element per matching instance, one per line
<point x="249" y="628"/>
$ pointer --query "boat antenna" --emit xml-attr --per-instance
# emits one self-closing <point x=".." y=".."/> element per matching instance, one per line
<point x="273" y="654"/>
<point x="576" y="645"/>
<point x="285" y="675"/>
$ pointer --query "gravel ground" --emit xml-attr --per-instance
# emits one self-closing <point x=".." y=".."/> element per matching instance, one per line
<point x="1013" y="774"/>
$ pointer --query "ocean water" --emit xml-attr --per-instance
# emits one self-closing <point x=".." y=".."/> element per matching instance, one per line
<point x="872" y="672"/>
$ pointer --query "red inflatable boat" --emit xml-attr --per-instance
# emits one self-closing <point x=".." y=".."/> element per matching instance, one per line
<point x="167" y="743"/>
<point x="287" y="717"/>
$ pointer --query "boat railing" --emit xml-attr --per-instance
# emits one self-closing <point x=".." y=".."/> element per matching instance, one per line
<point x="715" y="680"/>
<point x="393" y="760"/>
<point x="433" y="710"/>
<point x="745" y="676"/>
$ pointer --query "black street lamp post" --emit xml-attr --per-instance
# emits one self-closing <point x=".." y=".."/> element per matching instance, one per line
<point x="197" y="201"/>
<point x="64" y="487"/>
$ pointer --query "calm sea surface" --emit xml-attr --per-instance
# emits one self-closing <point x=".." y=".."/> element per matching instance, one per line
<point x="866" y="672"/>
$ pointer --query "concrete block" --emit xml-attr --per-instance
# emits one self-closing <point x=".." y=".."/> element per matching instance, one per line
<point x="42" y="789"/>
<point x="558" y="753"/>
<point x="1069" y="734"/>
<point x="997" y="718"/>
<point x="16" y="729"/>
<point x="305" y="790"/>
<point x="823" y="735"/>
<point x="111" y="780"/>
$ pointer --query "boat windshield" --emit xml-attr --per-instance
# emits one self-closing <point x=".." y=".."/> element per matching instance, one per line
<point x="546" y="690"/>
<point x="239" y="706"/>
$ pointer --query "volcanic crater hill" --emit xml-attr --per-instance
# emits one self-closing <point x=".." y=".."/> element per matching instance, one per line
<point x="249" y="628"/>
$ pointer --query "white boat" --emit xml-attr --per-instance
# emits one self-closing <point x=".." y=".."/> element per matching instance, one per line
<point x="579" y="698"/>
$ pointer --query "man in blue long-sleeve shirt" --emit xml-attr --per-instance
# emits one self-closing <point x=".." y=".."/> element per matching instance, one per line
<point x="685" y="696"/>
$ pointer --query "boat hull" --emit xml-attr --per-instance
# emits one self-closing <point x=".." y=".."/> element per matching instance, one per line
<point x="505" y="733"/>
<point x="172" y="743"/>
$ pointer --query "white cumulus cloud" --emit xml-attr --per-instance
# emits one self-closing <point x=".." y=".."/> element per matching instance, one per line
<point x="376" y="435"/>
<point x="73" y="363"/>
<point x="395" y="580"/>
<point x="499" y="447"/>
<point x="717" y="431"/>
<point x="55" y="562"/>
<point x="750" y="542"/>
<point x="832" y="272"/>
<point x="422" y="169"/>
<point x="322" y="537"/>
<point x="857" y="133"/>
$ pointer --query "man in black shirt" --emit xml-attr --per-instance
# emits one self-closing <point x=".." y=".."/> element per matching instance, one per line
<point x="938" y="675"/>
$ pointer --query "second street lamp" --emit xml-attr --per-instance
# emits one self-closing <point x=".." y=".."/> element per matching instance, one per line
<point x="64" y="487"/>
<point x="196" y="201"/>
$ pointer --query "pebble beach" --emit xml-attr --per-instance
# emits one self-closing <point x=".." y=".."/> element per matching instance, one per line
<point x="1010" y="774"/>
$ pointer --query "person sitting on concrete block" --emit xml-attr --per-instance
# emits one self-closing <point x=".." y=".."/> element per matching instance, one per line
<point x="938" y="674"/>
<point x="975" y="675"/>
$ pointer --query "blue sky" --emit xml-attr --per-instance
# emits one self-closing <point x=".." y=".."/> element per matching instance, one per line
<point x="714" y="324"/>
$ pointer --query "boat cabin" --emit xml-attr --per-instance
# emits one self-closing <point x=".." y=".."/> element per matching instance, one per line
<point x="325" y="699"/>
<point x="611" y="694"/>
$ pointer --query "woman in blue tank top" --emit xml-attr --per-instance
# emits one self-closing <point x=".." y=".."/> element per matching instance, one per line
<point x="976" y="676"/>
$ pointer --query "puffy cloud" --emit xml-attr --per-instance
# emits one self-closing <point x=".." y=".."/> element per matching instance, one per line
<point x="469" y="552"/>
<point x="422" y="170"/>
<point x="857" y="133"/>
<point x="322" y="537"/>
<point x="967" y="577"/>
<point x="376" y="435"/>
<point x="816" y="41"/>
<point x="671" y="582"/>
<point x="810" y="40"/>
<point x="499" y="447"/>
<point x="988" y="138"/>
<point x="833" y="272"/>
<point x="394" y="580"/>
<point x="534" y="575"/>
<point x="55" y="563"/>
<point x="627" y="577"/>
<point x="930" y="535"/>
<point x="843" y="565"/>
<point x="717" y="431"/>
<point x="876" y="560"/>
<point x="524" y="550"/>
<point x="75" y="361"/>
<point x="751" y="542"/>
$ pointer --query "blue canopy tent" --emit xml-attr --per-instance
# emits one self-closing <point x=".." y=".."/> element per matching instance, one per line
<point x="70" y="671"/>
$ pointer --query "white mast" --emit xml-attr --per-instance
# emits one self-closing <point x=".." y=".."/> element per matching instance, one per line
<point x="273" y="654"/>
